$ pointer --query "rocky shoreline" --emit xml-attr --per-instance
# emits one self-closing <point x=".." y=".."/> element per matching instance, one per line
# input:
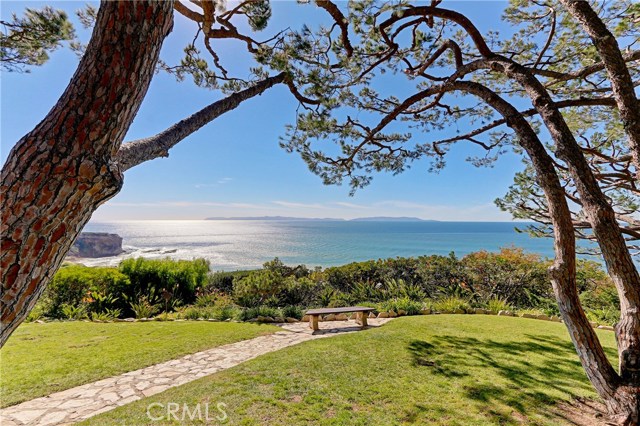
<point x="96" y="245"/>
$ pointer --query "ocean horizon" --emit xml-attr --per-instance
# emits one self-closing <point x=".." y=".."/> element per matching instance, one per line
<point x="246" y="244"/>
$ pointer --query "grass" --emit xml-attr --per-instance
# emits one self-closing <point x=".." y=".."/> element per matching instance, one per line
<point x="428" y="370"/>
<point x="40" y="359"/>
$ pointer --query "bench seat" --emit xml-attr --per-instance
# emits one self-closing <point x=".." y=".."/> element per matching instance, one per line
<point x="361" y="311"/>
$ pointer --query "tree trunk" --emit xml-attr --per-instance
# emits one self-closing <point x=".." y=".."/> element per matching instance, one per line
<point x="606" y="229"/>
<point x="563" y="271"/>
<point x="619" y="76"/>
<point x="59" y="173"/>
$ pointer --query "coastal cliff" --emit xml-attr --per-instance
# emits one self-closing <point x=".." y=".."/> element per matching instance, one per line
<point x="96" y="244"/>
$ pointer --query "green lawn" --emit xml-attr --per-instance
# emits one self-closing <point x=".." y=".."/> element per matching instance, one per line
<point x="40" y="359"/>
<point x="431" y="370"/>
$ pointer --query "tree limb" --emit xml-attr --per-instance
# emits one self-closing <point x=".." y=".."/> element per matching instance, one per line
<point x="137" y="152"/>
<point x="621" y="82"/>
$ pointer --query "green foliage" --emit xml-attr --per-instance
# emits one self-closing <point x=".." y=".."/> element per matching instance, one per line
<point x="410" y="306"/>
<point x="441" y="275"/>
<point x="366" y="291"/>
<point x="196" y="312"/>
<point x="518" y="278"/>
<point x="297" y="291"/>
<point x="601" y="302"/>
<point x="143" y="308"/>
<point x="606" y="316"/>
<point x="258" y="311"/>
<point x="325" y="295"/>
<point x="150" y="277"/>
<point x="100" y="303"/>
<point x="292" y="312"/>
<point x="507" y="280"/>
<point x="254" y="289"/>
<point x="341" y="300"/>
<point x="74" y="285"/>
<point x="451" y="304"/>
<point x="107" y="315"/>
<point x="223" y="313"/>
<point x="223" y="281"/>
<point x="496" y="305"/>
<point x="28" y="40"/>
<point x="399" y="288"/>
<point x="258" y="13"/>
<point x="73" y="312"/>
<point x="37" y="313"/>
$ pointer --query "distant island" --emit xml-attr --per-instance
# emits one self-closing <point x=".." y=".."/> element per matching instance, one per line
<point x="390" y="219"/>
<point x="359" y="219"/>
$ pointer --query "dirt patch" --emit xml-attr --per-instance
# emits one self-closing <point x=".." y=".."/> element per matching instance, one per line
<point x="583" y="412"/>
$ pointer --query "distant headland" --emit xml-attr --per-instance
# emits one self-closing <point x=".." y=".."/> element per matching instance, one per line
<point x="359" y="219"/>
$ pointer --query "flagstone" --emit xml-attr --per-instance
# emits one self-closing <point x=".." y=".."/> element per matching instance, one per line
<point x="79" y="403"/>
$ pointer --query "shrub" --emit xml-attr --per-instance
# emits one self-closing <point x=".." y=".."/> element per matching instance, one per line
<point x="205" y="300"/>
<point x="223" y="281"/>
<point x="396" y="288"/>
<point x="194" y="313"/>
<point x="209" y="312"/>
<point x="324" y="296"/>
<point x="149" y="277"/>
<point x="107" y="315"/>
<point x="441" y="275"/>
<point x="341" y="300"/>
<point x="366" y="291"/>
<point x="605" y="316"/>
<point x="74" y="312"/>
<point x="292" y="312"/>
<point x="496" y="305"/>
<point x="224" y="313"/>
<point x="411" y="307"/>
<point x="450" y="304"/>
<point x="98" y="302"/>
<point x="143" y="309"/>
<point x="260" y="311"/>
<point x="601" y="296"/>
<point x="214" y="299"/>
<point x="512" y="275"/>
<point x="257" y="287"/>
<point x="72" y="284"/>
<point x="297" y="291"/>
<point x="37" y="313"/>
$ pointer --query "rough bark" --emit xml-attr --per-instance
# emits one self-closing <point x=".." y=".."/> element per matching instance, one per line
<point x="615" y="64"/>
<point x="60" y="172"/>
<point x="563" y="271"/>
<point x="606" y="229"/>
<point x="136" y="152"/>
<point x="625" y="401"/>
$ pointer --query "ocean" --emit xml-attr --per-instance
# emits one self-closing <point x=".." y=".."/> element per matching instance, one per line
<point x="247" y="244"/>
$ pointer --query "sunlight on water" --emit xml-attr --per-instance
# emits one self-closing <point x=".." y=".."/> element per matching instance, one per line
<point x="241" y="244"/>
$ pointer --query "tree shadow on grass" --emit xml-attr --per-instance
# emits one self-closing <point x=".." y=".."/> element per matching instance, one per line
<point x="527" y="371"/>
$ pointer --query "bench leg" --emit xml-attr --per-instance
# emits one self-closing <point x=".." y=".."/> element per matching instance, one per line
<point x="313" y="322"/>
<point x="361" y="318"/>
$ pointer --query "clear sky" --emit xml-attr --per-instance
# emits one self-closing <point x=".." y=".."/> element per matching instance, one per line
<point x="234" y="166"/>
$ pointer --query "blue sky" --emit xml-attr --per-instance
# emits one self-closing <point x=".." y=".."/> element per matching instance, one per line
<point x="234" y="166"/>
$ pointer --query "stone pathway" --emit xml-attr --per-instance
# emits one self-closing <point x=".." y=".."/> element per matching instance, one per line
<point x="82" y="402"/>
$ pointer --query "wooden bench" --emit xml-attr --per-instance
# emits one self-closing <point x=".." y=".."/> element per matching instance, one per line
<point x="361" y="314"/>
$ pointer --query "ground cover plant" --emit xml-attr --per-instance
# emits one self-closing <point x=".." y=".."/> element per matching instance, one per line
<point x="44" y="358"/>
<point x="507" y="280"/>
<point x="435" y="370"/>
